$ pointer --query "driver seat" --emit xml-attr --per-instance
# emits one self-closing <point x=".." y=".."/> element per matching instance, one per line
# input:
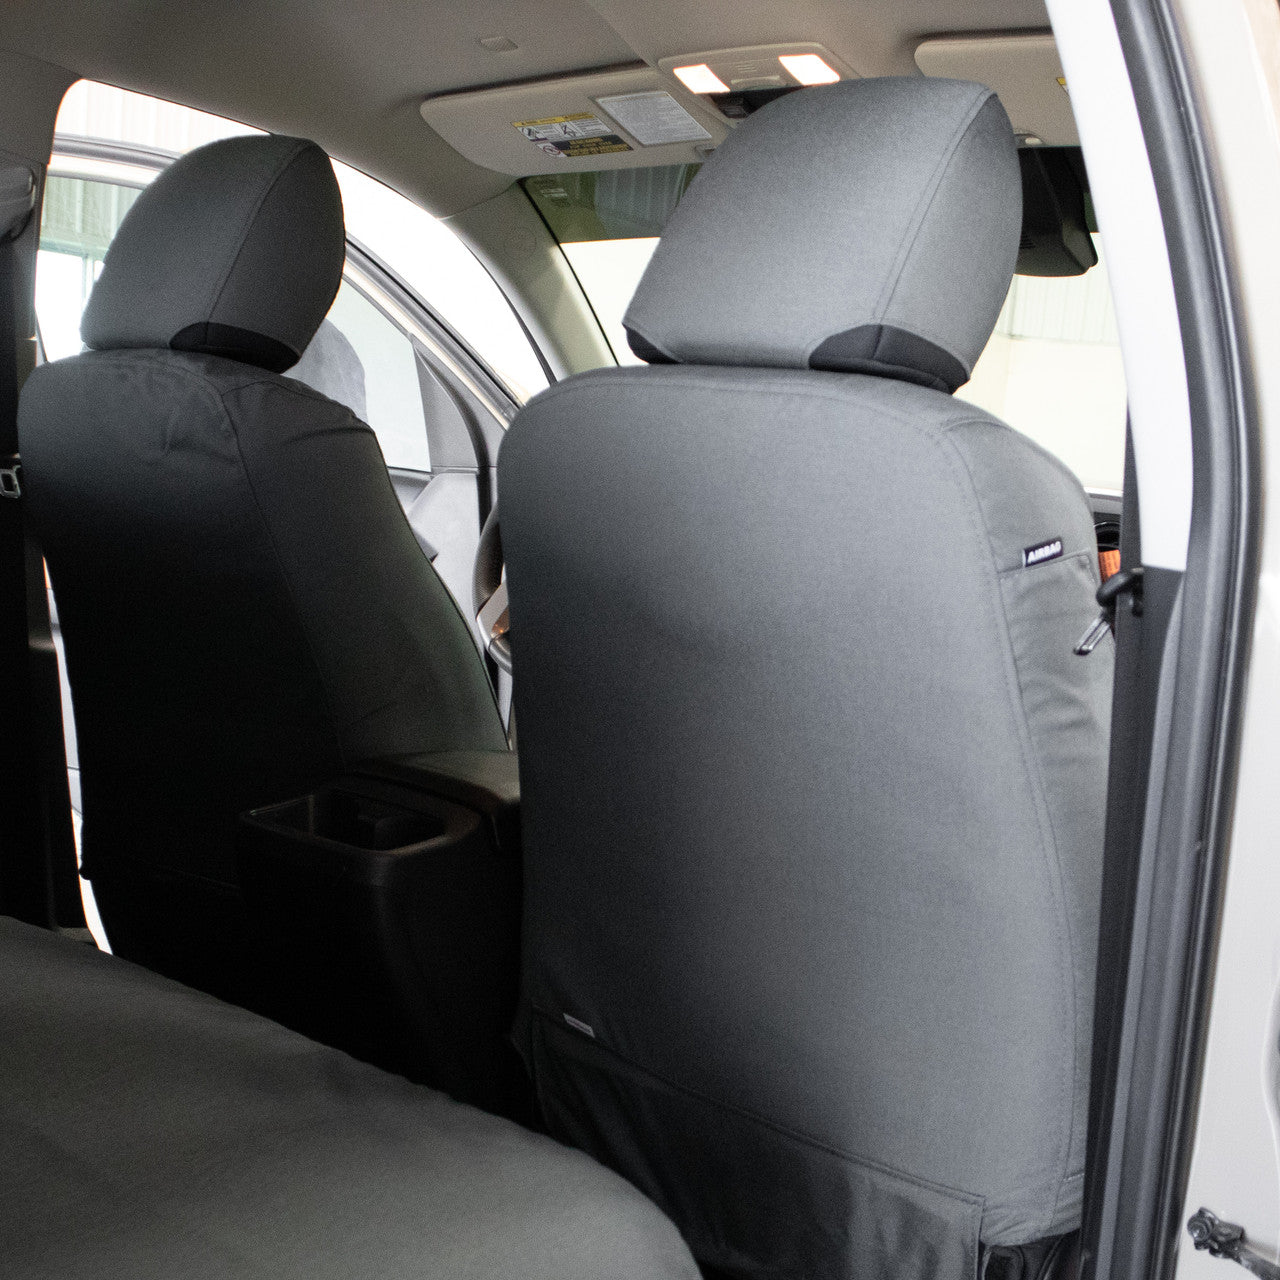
<point x="245" y="609"/>
<point x="812" y="781"/>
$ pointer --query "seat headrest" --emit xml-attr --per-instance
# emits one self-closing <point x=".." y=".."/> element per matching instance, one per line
<point x="235" y="250"/>
<point x="870" y="226"/>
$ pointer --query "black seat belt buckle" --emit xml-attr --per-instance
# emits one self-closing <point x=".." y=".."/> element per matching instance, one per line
<point x="1126" y="582"/>
<point x="11" y="477"/>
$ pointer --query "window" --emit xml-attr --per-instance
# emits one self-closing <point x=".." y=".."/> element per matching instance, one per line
<point x="362" y="359"/>
<point x="1052" y="368"/>
<point x="425" y="254"/>
<point x="76" y="227"/>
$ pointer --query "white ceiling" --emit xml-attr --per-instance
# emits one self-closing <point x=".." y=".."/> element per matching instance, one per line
<point x="351" y="73"/>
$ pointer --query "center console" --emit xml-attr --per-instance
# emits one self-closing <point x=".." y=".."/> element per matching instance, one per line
<point x="388" y="903"/>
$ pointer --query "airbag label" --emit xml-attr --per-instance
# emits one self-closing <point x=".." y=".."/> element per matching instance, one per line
<point x="1041" y="552"/>
<point x="570" y="137"/>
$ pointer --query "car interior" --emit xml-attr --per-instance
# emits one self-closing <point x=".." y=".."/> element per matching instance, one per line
<point x="690" y="864"/>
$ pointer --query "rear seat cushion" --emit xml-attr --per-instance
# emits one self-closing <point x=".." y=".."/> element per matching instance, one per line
<point x="151" y="1133"/>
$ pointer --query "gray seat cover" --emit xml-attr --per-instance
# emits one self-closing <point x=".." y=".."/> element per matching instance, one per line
<point x="246" y="611"/>
<point x="813" y="784"/>
<point x="153" y="1133"/>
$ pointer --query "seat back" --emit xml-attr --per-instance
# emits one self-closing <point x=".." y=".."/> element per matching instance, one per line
<point x="813" y="783"/>
<point x="245" y="610"/>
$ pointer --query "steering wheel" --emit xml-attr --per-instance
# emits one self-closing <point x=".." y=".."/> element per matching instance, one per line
<point x="489" y="593"/>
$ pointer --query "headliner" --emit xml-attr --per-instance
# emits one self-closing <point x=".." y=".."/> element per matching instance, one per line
<point x="351" y="73"/>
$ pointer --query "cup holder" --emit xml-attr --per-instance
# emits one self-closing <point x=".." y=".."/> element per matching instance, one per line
<point x="355" y="820"/>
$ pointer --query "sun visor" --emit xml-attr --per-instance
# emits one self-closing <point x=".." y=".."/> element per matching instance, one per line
<point x="617" y="119"/>
<point x="1023" y="69"/>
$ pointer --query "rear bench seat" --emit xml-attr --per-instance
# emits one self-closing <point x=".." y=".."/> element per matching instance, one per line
<point x="148" y="1132"/>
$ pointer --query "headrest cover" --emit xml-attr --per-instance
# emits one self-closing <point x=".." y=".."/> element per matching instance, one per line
<point x="235" y="250"/>
<point x="869" y="226"/>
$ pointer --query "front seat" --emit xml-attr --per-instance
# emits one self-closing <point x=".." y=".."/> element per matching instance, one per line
<point x="245" y="610"/>
<point x="813" y="783"/>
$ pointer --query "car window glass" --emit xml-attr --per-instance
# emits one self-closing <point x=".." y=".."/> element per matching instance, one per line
<point x="417" y="247"/>
<point x="76" y="227"/>
<point x="1053" y="370"/>
<point x="361" y="359"/>
<point x="444" y="273"/>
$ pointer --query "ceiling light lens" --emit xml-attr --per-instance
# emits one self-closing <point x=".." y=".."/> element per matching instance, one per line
<point x="808" y="68"/>
<point x="701" y="79"/>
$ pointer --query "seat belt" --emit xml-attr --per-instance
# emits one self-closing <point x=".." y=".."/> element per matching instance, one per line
<point x="39" y="881"/>
<point x="1139" y="644"/>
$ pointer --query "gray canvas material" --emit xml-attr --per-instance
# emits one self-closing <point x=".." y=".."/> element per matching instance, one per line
<point x="245" y="609"/>
<point x="150" y="1133"/>
<point x="883" y="207"/>
<point x="246" y="614"/>
<point x="813" y="795"/>
<point x="245" y="233"/>
<point x="813" y="784"/>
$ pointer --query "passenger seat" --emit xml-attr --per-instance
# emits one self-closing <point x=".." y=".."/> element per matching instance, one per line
<point x="245" y="609"/>
<point x="813" y="784"/>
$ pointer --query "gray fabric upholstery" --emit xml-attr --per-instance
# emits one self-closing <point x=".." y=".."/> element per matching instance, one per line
<point x="246" y="613"/>
<point x="332" y="366"/>
<point x="887" y="247"/>
<point x="245" y="609"/>
<point x="150" y="1133"/>
<point x="813" y="791"/>
<point x="243" y="234"/>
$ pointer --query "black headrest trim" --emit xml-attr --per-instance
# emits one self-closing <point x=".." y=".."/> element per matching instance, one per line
<point x="889" y="352"/>
<point x="645" y="349"/>
<point x="226" y="340"/>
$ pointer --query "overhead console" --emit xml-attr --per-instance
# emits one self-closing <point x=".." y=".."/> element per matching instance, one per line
<point x="621" y="118"/>
<point x="670" y="116"/>
<point x="625" y="117"/>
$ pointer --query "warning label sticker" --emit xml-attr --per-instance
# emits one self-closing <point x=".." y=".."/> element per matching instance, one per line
<point x="583" y="134"/>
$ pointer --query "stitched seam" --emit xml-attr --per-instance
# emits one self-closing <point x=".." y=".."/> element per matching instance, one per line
<point x="911" y="245"/>
<point x="990" y="420"/>
<point x="303" y="392"/>
<point x="1020" y="568"/>
<point x="554" y="1022"/>
<point x="927" y="197"/>
<point x="286" y="164"/>
<point x="1033" y="770"/>
<point x="940" y="436"/>
<point x="288" y="585"/>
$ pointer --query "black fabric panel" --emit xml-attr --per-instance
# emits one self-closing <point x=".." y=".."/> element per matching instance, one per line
<point x="645" y="349"/>
<point x="888" y="352"/>
<point x="227" y="341"/>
